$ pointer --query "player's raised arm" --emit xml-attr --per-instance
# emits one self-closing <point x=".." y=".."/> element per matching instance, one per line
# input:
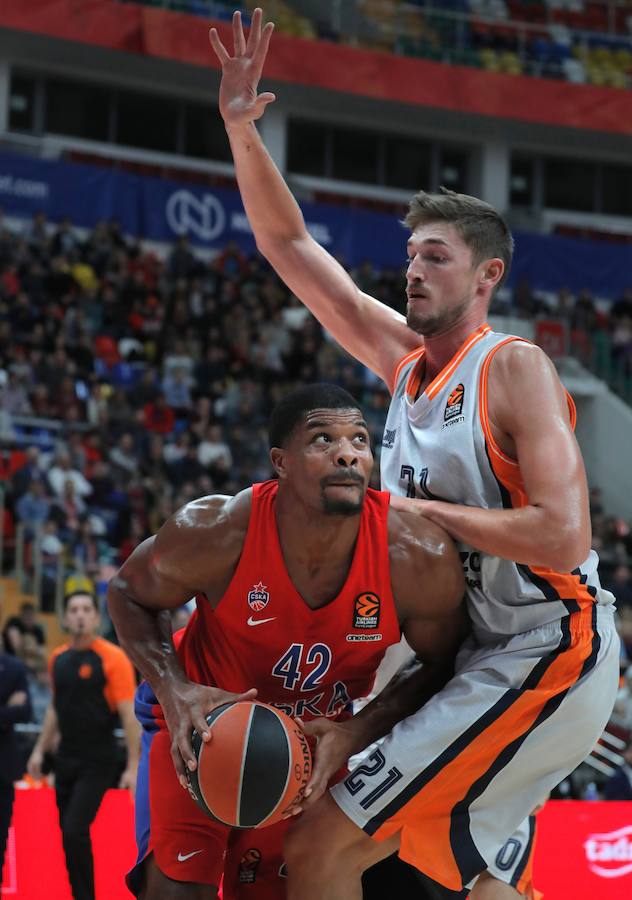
<point x="195" y="552"/>
<point x="369" y="330"/>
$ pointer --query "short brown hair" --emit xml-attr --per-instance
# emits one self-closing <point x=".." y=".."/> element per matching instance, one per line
<point x="78" y="593"/>
<point x="482" y="228"/>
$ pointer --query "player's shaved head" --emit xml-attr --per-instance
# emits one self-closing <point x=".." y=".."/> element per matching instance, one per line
<point x="292" y="409"/>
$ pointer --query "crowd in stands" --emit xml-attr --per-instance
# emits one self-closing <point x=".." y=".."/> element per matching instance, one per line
<point x="131" y="384"/>
<point x="575" y="40"/>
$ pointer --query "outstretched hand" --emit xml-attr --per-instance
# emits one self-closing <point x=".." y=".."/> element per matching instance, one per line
<point x="239" y="102"/>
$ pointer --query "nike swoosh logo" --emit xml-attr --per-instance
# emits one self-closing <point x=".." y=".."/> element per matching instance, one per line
<point x="252" y="621"/>
<point x="182" y="857"/>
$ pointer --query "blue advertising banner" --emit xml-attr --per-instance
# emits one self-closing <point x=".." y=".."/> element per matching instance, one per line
<point x="550" y="262"/>
<point x="86" y="194"/>
<point x="162" y="210"/>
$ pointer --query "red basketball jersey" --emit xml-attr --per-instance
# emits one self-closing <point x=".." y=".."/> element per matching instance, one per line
<point x="307" y="662"/>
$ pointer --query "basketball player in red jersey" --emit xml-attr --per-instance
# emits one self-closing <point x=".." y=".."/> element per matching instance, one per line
<point x="282" y="573"/>
<point x="478" y="439"/>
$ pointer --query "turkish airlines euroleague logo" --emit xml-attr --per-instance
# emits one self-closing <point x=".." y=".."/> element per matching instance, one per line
<point x="366" y="612"/>
<point x="454" y="406"/>
<point x="610" y="855"/>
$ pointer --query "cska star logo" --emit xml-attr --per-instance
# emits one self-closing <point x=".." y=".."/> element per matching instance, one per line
<point x="258" y="597"/>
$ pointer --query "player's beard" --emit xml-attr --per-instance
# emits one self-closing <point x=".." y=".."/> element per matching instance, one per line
<point x="342" y="506"/>
<point x="433" y="323"/>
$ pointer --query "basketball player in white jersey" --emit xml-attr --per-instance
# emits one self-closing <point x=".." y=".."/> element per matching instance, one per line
<point x="479" y="437"/>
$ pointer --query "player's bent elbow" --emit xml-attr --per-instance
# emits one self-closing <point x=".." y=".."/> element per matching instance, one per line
<point x="567" y="555"/>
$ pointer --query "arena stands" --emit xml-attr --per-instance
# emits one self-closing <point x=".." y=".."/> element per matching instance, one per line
<point x="573" y="40"/>
<point x="130" y="384"/>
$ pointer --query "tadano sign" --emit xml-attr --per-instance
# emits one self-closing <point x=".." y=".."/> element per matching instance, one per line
<point x="584" y="851"/>
<point x="610" y="855"/>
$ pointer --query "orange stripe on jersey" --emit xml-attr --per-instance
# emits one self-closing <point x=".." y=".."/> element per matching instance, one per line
<point x="507" y="473"/>
<point x="435" y="386"/>
<point x="426" y="819"/>
<point x="414" y="379"/>
<point x="483" y="401"/>
<point x="417" y="352"/>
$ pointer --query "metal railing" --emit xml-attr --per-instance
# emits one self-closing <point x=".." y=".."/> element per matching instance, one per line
<point x="596" y="352"/>
<point x="31" y="578"/>
<point x="425" y="30"/>
<point x="606" y="756"/>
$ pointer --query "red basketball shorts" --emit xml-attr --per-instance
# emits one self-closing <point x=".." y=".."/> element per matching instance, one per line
<point x="188" y="845"/>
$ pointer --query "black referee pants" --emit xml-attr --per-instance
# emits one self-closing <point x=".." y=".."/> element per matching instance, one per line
<point x="79" y="787"/>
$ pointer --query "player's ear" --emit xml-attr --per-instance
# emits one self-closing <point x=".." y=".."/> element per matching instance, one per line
<point x="491" y="272"/>
<point x="277" y="458"/>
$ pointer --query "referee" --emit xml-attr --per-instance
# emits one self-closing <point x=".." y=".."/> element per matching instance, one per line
<point x="92" y="681"/>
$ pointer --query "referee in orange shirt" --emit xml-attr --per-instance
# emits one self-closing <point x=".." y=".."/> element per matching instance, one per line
<point x="92" y="681"/>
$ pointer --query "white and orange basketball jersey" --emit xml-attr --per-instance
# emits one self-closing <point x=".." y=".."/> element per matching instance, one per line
<point x="437" y="445"/>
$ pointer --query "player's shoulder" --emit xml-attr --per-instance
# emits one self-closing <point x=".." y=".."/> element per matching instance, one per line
<point x="426" y="572"/>
<point x="418" y="544"/>
<point x="216" y="517"/>
<point x="517" y="357"/>
<point x="523" y="381"/>
<point x="215" y="511"/>
<point x="209" y="528"/>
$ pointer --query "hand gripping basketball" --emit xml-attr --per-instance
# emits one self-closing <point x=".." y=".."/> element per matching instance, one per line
<point x="254" y="769"/>
<point x="185" y="707"/>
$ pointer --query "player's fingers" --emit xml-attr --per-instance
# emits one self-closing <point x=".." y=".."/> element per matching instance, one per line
<point x="255" y="32"/>
<point x="316" y="728"/>
<point x="261" y="50"/>
<point x="292" y="810"/>
<point x="186" y="752"/>
<point x="178" y="763"/>
<point x="198" y="720"/>
<point x="247" y="695"/>
<point x="315" y="789"/>
<point x="262" y="102"/>
<point x="239" y="40"/>
<point x="220" y="50"/>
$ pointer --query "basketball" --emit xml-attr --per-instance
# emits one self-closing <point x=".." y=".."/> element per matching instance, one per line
<point x="255" y="766"/>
